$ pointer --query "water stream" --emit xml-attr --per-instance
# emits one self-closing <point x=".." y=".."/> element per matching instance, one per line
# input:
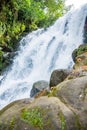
<point x="40" y="53"/>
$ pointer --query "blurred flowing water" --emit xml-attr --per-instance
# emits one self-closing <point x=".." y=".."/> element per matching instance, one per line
<point x="40" y="53"/>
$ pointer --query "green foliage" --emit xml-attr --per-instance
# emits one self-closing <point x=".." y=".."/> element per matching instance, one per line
<point x="18" y="16"/>
<point x="30" y="14"/>
<point x="21" y="16"/>
<point x="77" y="122"/>
<point x="81" y="50"/>
<point x="33" y="117"/>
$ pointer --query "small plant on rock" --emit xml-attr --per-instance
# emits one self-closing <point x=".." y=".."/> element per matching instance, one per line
<point x="33" y="117"/>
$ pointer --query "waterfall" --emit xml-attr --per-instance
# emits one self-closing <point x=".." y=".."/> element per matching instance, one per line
<point x="40" y="53"/>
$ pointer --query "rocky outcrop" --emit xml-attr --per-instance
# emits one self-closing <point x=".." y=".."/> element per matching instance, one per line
<point x="74" y="94"/>
<point x="38" y="87"/>
<point x="44" y="113"/>
<point x="64" y="107"/>
<point x="58" y="76"/>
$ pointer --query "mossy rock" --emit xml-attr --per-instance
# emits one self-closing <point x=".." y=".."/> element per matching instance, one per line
<point x="81" y="62"/>
<point x="44" y="113"/>
<point x="81" y="49"/>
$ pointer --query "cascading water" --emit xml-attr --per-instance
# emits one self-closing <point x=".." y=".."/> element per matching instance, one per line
<point x="40" y="53"/>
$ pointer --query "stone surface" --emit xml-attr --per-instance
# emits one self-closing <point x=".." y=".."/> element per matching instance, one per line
<point x="38" y="87"/>
<point x="81" y="62"/>
<point x="74" y="94"/>
<point x="58" y="76"/>
<point x="55" y="114"/>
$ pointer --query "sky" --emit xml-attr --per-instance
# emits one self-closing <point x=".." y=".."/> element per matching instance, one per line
<point x="76" y="3"/>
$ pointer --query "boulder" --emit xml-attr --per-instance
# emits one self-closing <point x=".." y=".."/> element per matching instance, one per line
<point x="44" y="113"/>
<point x="38" y="87"/>
<point x="74" y="94"/>
<point x="58" y="76"/>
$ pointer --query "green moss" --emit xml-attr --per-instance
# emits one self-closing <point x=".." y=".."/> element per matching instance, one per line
<point x="81" y="50"/>
<point x="4" y="126"/>
<point x="33" y="117"/>
<point x="84" y="92"/>
<point x="63" y="121"/>
<point x="53" y="92"/>
<point x="7" y="125"/>
<point x="12" y="123"/>
<point x="77" y="122"/>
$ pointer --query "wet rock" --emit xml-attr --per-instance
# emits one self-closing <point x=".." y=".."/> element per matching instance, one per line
<point x="38" y="87"/>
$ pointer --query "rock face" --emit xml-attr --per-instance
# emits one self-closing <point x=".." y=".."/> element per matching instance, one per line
<point x="73" y="93"/>
<point x="38" y="87"/>
<point x="51" y="113"/>
<point x="58" y="76"/>
<point x="64" y="107"/>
